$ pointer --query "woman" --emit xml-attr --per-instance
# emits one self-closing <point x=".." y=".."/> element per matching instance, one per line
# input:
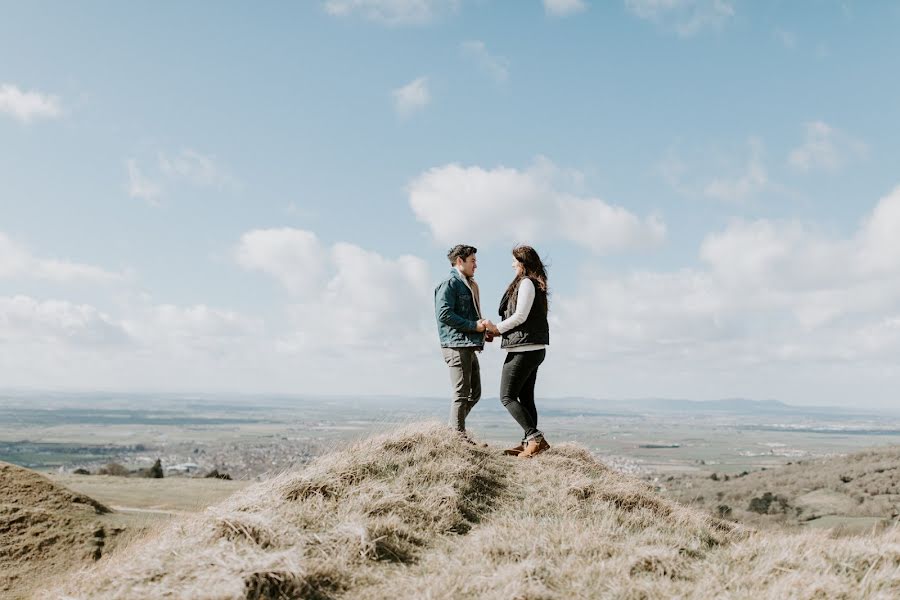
<point x="526" y="334"/>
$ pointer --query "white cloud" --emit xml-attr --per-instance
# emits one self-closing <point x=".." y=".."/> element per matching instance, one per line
<point x="198" y="329"/>
<point x="734" y="181"/>
<point x="412" y="97"/>
<point x="186" y="167"/>
<point x="16" y="261"/>
<point x="294" y="257"/>
<point x="24" y="319"/>
<point x="604" y="228"/>
<point x="563" y="8"/>
<point x="767" y="293"/>
<point x="369" y="301"/>
<point x="196" y="168"/>
<point x="495" y="66"/>
<point x="346" y="296"/>
<point x="738" y="188"/>
<point x="350" y="310"/>
<point x="825" y="148"/>
<point x="392" y="12"/>
<point x="28" y="106"/>
<point x="139" y="186"/>
<point x="67" y="345"/>
<point x="769" y="309"/>
<point x="508" y="205"/>
<point x="773" y="309"/>
<point x="685" y="17"/>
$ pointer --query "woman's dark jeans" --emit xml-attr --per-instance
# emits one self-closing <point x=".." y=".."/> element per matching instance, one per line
<point x="517" y="388"/>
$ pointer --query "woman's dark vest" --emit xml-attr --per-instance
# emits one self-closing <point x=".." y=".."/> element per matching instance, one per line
<point x="535" y="329"/>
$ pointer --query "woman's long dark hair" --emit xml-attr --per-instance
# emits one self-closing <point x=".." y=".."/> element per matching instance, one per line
<point x="533" y="269"/>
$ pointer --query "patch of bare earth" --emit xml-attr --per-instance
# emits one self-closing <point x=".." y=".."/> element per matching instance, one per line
<point x="421" y="514"/>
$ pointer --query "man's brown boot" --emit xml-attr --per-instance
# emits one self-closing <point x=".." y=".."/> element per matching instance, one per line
<point x="515" y="451"/>
<point x="470" y="441"/>
<point x="534" y="447"/>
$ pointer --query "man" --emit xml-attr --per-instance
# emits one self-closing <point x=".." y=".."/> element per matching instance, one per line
<point x="461" y="331"/>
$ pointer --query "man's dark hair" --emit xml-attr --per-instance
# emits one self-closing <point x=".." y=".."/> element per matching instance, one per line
<point x="460" y="251"/>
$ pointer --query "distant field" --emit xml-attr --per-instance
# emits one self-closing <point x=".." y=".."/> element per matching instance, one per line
<point x="140" y="504"/>
<point x="167" y="495"/>
<point x="252" y="436"/>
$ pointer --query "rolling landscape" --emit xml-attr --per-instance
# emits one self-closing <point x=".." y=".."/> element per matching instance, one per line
<point x="716" y="482"/>
<point x="416" y="513"/>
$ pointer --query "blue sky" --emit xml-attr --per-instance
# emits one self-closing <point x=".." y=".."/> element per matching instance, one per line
<point x="260" y="198"/>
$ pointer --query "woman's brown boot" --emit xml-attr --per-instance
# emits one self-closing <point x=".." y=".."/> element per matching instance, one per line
<point x="534" y="447"/>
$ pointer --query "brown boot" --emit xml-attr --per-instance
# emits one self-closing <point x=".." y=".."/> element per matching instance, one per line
<point x="534" y="447"/>
<point x="515" y="451"/>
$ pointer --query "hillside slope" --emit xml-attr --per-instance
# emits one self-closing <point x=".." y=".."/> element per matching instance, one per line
<point x="857" y="491"/>
<point x="44" y="529"/>
<point x="420" y="514"/>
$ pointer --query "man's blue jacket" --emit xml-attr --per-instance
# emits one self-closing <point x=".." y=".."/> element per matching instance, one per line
<point x="457" y="316"/>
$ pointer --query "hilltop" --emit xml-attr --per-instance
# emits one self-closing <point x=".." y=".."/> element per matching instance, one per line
<point x="418" y="513"/>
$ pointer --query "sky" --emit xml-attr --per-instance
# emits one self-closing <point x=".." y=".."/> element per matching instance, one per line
<point x="259" y="197"/>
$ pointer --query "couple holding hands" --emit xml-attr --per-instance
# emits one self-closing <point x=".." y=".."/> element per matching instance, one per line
<point x="524" y="330"/>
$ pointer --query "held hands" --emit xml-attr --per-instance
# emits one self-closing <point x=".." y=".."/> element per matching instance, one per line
<point x="489" y="328"/>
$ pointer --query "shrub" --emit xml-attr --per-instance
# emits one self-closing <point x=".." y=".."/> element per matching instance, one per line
<point x="80" y="471"/>
<point x="215" y="474"/>
<point x="156" y="471"/>
<point x="760" y="505"/>
<point x="763" y="504"/>
<point x="724" y="511"/>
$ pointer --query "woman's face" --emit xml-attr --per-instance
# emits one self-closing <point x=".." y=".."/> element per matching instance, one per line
<point x="518" y="267"/>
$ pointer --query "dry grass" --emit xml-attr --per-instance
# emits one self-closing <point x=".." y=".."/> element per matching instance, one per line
<point x="420" y="514"/>
<point x="45" y="529"/>
<point x="864" y="484"/>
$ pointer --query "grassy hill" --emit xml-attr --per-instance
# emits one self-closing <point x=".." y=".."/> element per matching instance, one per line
<point x="53" y="524"/>
<point x="420" y="514"/>
<point x="45" y="529"/>
<point x="854" y="492"/>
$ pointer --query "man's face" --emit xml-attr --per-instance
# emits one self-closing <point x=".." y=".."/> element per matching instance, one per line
<point x="467" y="267"/>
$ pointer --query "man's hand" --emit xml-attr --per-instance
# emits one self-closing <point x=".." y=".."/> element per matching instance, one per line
<point x="488" y="328"/>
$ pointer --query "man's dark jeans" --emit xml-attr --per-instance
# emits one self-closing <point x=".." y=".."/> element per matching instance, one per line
<point x="517" y="388"/>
